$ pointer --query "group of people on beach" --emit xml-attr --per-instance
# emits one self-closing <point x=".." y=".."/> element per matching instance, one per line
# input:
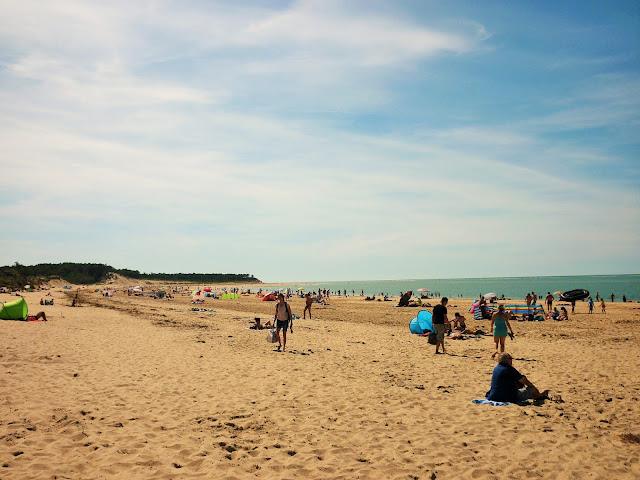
<point x="507" y="383"/>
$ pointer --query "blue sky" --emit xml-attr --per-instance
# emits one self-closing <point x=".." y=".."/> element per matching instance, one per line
<point x="322" y="140"/>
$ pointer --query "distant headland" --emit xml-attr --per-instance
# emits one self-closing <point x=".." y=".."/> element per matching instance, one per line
<point x="17" y="275"/>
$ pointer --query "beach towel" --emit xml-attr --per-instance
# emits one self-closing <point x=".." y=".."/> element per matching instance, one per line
<point x="484" y="401"/>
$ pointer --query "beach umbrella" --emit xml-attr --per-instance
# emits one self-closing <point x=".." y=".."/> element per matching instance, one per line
<point x="487" y="296"/>
<point x="557" y="293"/>
<point x="422" y="290"/>
<point x="300" y="288"/>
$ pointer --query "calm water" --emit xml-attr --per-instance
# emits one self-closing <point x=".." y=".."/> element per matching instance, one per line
<point x="511" y="287"/>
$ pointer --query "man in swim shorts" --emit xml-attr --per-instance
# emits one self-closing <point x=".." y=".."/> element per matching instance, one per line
<point x="282" y="317"/>
<point x="509" y="385"/>
<point x="549" y="300"/>
<point x="440" y="323"/>
<point x="307" y="306"/>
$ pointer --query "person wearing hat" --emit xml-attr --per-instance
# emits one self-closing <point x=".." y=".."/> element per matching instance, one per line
<point x="509" y="385"/>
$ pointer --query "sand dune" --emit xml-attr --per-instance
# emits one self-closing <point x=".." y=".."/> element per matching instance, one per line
<point x="130" y="387"/>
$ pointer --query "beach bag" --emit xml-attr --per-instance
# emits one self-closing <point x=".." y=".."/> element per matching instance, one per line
<point x="271" y="336"/>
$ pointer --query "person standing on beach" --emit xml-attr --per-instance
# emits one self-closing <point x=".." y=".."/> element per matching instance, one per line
<point x="308" y="301"/>
<point x="590" y="305"/>
<point x="282" y="318"/>
<point x="549" y="300"/>
<point x="604" y="310"/>
<point x="499" y="325"/>
<point x="440" y="323"/>
<point x="612" y="297"/>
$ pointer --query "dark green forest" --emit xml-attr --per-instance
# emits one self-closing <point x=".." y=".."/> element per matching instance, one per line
<point x="17" y="275"/>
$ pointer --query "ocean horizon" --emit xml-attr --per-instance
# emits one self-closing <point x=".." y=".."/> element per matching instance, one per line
<point x="510" y="287"/>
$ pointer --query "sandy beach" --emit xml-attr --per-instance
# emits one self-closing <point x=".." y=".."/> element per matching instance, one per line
<point x="132" y="387"/>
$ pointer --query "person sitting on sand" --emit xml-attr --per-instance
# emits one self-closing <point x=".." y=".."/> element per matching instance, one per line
<point x="509" y="385"/>
<point x="459" y="322"/>
<point x="553" y="315"/>
<point x="404" y="300"/>
<point x="484" y="311"/>
<point x="564" y="315"/>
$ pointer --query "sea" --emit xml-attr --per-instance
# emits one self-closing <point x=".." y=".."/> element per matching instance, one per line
<point x="510" y="287"/>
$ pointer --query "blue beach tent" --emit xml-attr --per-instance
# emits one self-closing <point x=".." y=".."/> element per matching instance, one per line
<point x="422" y="323"/>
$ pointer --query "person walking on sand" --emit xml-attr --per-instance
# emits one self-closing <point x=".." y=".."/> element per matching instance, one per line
<point x="440" y="323"/>
<point x="308" y="301"/>
<point x="499" y="325"/>
<point x="604" y="310"/>
<point x="549" y="300"/>
<point x="282" y="318"/>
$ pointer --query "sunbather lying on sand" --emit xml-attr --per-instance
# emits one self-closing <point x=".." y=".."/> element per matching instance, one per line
<point x="259" y="326"/>
<point x="37" y="316"/>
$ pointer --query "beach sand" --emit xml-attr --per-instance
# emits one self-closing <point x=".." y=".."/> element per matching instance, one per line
<point x="132" y="387"/>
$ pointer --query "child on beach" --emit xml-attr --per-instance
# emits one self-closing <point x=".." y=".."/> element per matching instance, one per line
<point x="604" y="310"/>
<point x="590" y="305"/>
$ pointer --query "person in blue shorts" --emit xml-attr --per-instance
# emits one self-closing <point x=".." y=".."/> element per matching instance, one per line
<point x="509" y="385"/>
<point x="499" y="325"/>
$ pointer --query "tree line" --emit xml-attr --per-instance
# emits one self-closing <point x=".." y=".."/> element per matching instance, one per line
<point x="17" y="275"/>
